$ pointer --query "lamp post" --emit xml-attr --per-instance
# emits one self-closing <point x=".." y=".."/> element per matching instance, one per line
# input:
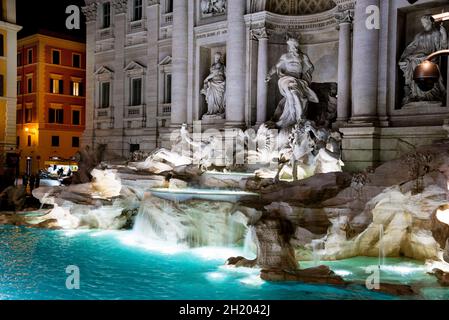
<point x="427" y="73"/>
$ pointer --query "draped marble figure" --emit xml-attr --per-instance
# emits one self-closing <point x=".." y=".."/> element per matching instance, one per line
<point x="294" y="70"/>
<point x="215" y="88"/>
<point x="213" y="6"/>
<point x="432" y="39"/>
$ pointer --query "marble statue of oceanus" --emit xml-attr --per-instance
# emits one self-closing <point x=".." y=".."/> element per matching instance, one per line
<point x="295" y="71"/>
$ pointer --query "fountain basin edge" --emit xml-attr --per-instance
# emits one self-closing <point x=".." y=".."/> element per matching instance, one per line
<point x="182" y="195"/>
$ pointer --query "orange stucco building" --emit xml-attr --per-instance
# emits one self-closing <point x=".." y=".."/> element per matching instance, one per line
<point x="51" y="79"/>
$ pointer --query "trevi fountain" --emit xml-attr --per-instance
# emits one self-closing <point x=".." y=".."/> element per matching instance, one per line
<point x="269" y="212"/>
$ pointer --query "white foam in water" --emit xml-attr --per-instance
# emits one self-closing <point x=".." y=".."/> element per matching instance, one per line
<point x="253" y="280"/>
<point x="216" y="253"/>
<point x="216" y="276"/>
<point x="74" y="233"/>
<point x="151" y="245"/>
<point x="104" y="233"/>
<point x="401" y="269"/>
<point x="231" y="269"/>
<point x="343" y="273"/>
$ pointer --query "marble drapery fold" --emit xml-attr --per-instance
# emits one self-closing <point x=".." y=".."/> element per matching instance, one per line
<point x="295" y="72"/>
<point x="215" y="88"/>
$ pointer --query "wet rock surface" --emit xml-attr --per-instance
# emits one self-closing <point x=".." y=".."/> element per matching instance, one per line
<point x="241" y="262"/>
<point x="446" y="252"/>
<point x="14" y="198"/>
<point x="17" y="220"/>
<point x="311" y="191"/>
<point x="443" y="277"/>
<point x="318" y="275"/>
<point x="396" y="289"/>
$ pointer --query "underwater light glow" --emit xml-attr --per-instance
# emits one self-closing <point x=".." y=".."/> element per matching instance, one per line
<point x="253" y="280"/>
<point x="216" y="253"/>
<point x="216" y="276"/>
<point x="402" y="270"/>
<point x="158" y="246"/>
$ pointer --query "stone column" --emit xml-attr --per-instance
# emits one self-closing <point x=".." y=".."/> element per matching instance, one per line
<point x="447" y="88"/>
<point x="90" y="12"/>
<point x="344" y="19"/>
<point x="9" y="114"/>
<point x="236" y="57"/>
<point x="116" y="144"/>
<point x="365" y="68"/>
<point x="151" y="84"/>
<point x="262" y="71"/>
<point x="180" y="60"/>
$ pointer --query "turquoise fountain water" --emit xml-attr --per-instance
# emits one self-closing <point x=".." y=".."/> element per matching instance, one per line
<point x="114" y="266"/>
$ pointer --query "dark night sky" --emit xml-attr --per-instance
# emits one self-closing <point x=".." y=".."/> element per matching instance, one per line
<point x="48" y="15"/>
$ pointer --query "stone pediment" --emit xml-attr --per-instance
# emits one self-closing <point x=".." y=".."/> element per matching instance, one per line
<point x="166" y="61"/>
<point x="103" y="70"/>
<point x="135" y="66"/>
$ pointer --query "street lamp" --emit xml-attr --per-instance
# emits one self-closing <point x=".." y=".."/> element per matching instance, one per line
<point x="427" y="73"/>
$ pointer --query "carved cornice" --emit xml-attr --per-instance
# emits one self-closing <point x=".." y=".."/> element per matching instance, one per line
<point x="292" y="24"/>
<point x="90" y="11"/>
<point x="344" y="5"/>
<point x="120" y="6"/>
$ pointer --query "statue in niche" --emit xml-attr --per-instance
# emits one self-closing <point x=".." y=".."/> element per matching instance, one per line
<point x="432" y="39"/>
<point x="213" y="7"/>
<point x="294" y="70"/>
<point x="215" y="89"/>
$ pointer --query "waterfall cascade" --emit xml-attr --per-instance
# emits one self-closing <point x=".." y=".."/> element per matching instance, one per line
<point x="250" y="245"/>
<point x="316" y="247"/>
<point x="192" y="224"/>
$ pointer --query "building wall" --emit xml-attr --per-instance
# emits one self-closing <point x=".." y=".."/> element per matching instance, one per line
<point x="42" y="100"/>
<point x="8" y="65"/>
